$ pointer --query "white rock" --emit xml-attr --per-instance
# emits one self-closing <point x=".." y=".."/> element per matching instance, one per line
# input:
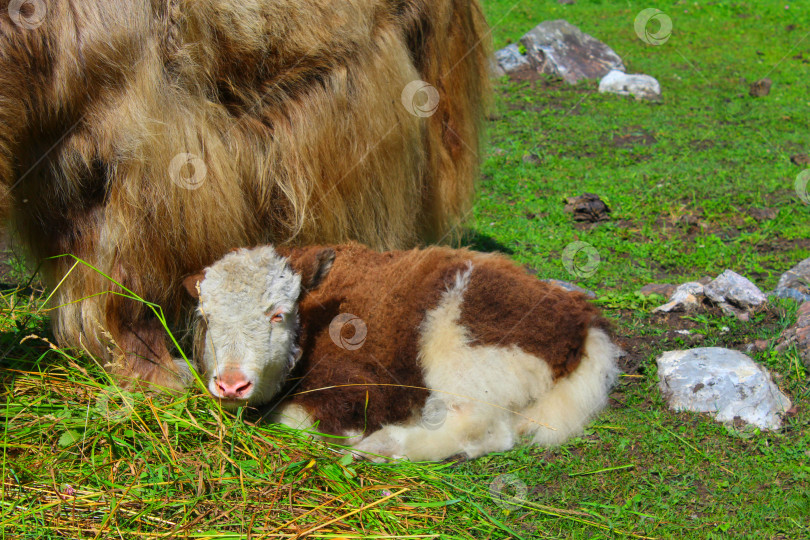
<point x="734" y="289"/>
<point x="510" y="60"/>
<point x="684" y="298"/>
<point x="636" y="85"/>
<point x="723" y="382"/>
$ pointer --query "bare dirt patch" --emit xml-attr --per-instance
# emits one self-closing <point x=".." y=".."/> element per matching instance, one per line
<point x="670" y="331"/>
<point x="633" y="136"/>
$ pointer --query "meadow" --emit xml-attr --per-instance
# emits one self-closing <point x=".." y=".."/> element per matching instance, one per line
<point x="697" y="182"/>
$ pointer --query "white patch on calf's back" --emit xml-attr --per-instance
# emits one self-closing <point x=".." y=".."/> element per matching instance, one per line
<point x="440" y="330"/>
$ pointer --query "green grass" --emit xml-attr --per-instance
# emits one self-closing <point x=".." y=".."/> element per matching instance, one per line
<point x="682" y="176"/>
<point x="687" y="180"/>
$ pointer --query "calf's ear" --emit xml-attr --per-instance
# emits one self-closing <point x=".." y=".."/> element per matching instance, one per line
<point x="320" y="268"/>
<point x="325" y="258"/>
<point x="313" y="265"/>
<point x="192" y="284"/>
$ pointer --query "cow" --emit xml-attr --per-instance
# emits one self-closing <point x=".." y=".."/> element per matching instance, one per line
<point x="418" y="354"/>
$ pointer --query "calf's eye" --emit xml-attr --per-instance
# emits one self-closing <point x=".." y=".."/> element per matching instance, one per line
<point x="275" y="316"/>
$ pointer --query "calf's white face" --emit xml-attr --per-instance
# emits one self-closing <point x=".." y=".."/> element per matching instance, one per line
<point x="248" y="300"/>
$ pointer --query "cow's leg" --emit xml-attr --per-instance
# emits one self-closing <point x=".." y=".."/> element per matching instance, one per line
<point x="143" y="359"/>
<point x="140" y="353"/>
<point x="298" y="417"/>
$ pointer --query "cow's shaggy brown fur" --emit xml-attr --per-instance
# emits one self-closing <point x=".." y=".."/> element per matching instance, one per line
<point x="294" y="107"/>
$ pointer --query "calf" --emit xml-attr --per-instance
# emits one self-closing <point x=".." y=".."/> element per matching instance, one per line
<point x="419" y="354"/>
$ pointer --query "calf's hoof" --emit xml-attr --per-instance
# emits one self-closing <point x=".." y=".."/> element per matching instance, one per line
<point x="380" y="447"/>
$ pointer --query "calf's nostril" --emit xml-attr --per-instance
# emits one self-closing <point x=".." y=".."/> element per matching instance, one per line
<point x="244" y="388"/>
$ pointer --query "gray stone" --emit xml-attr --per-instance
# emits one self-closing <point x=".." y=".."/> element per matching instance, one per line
<point x="787" y="292"/>
<point x="723" y="382"/>
<point x="570" y="287"/>
<point x="733" y="311"/>
<point x="685" y="298"/>
<point x="797" y="278"/>
<point x="511" y="61"/>
<point x="560" y="48"/>
<point x="636" y="85"/>
<point x="730" y="287"/>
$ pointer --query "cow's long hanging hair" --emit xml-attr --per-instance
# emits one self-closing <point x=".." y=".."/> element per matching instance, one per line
<point x="150" y="137"/>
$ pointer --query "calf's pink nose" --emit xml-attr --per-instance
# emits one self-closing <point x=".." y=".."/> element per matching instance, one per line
<point x="233" y="384"/>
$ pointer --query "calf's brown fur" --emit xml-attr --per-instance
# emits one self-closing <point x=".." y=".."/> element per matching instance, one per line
<point x="392" y="292"/>
<point x="373" y="345"/>
<point x="293" y="107"/>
